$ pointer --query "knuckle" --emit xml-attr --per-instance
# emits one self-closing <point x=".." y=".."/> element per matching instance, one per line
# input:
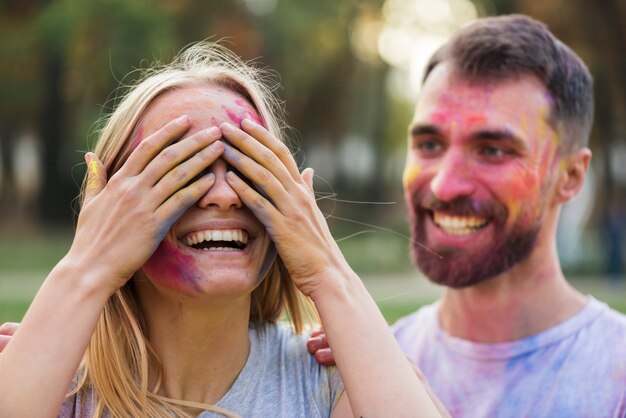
<point x="259" y="203"/>
<point x="264" y="174"/>
<point x="283" y="149"/>
<point x="178" y="174"/>
<point x="146" y="146"/>
<point x="270" y="157"/>
<point x="168" y="154"/>
<point x="182" y="197"/>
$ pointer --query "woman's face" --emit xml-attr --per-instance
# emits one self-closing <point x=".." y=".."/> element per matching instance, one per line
<point x="217" y="247"/>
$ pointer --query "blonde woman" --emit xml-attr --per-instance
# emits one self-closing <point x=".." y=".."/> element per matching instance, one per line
<point x="197" y="233"/>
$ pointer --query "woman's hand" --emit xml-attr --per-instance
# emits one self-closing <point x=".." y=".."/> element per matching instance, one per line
<point x="285" y="205"/>
<point x="124" y="219"/>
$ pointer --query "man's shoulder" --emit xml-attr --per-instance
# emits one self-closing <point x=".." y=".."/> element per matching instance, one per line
<point x="424" y="319"/>
<point x="610" y="321"/>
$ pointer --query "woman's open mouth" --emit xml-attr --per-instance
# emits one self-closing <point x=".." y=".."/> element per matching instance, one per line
<point x="217" y="240"/>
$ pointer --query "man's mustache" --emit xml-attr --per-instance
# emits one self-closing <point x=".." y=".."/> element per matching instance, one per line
<point x="462" y="206"/>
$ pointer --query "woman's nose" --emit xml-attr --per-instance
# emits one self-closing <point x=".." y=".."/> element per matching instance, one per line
<point x="221" y="195"/>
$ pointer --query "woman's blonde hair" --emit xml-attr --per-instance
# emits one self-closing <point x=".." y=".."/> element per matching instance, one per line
<point x="119" y="358"/>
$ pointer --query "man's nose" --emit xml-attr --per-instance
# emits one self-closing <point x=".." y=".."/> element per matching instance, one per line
<point x="221" y="195"/>
<point x="454" y="177"/>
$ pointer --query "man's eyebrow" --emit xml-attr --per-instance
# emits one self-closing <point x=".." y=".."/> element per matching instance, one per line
<point x="422" y="129"/>
<point x="503" y="135"/>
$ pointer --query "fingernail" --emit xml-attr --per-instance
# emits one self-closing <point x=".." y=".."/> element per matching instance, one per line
<point x="182" y="120"/>
<point x="230" y="176"/>
<point x="214" y="131"/>
<point x="226" y="126"/>
<point x="216" y="145"/>
<point x="247" y="123"/>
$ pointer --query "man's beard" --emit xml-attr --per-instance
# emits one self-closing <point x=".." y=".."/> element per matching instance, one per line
<point x="462" y="267"/>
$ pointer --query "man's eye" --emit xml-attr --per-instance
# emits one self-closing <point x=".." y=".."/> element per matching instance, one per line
<point x="494" y="153"/>
<point x="428" y="146"/>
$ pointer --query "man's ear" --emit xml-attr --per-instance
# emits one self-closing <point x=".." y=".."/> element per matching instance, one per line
<point x="572" y="175"/>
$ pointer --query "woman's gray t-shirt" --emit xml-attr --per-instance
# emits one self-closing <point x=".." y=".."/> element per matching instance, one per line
<point x="280" y="379"/>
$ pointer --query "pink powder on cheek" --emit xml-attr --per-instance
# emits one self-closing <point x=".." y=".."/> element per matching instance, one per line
<point x="172" y="269"/>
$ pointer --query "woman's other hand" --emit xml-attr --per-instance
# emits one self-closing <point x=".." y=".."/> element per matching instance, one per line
<point x="284" y="202"/>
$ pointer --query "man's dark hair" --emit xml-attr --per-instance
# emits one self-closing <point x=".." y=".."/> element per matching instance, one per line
<point x="505" y="47"/>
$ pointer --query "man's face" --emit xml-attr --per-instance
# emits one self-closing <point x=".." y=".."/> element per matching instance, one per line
<point x="480" y="163"/>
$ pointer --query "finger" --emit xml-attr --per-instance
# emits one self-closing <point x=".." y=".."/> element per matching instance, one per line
<point x="316" y="343"/>
<point x="317" y="332"/>
<point x="153" y="144"/>
<point x="8" y="328"/>
<point x="268" y="185"/>
<point x="169" y="158"/>
<point x="325" y="357"/>
<point x="307" y="175"/>
<point x="260" y="206"/>
<point x="182" y="174"/>
<point x="173" y="208"/>
<point x="255" y="150"/>
<point x="279" y="148"/>
<point x="96" y="177"/>
<point x="4" y="340"/>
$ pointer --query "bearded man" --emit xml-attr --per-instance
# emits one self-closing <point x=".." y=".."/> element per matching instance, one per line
<point x="497" y="144"/>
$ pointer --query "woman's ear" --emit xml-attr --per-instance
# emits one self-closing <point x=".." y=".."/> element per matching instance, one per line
<point x="572" y="176"/>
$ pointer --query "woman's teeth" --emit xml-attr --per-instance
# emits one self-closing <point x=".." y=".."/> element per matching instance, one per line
<point x="459" y="225"/>
<point x="217" y="240"/>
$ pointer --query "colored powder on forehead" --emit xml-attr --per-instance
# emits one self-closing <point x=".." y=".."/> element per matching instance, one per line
<point x="476" y="119"/>
<point x="234" y="117"/>
<point x="170" y="268"/>
<point x="251" y="112"/>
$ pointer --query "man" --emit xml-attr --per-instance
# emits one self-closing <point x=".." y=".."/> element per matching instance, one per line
<point x="497" y="144"/>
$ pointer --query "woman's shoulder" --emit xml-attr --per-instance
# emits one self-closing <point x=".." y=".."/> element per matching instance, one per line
<point x="283" y="345"/>
<point x="288" y="363"/>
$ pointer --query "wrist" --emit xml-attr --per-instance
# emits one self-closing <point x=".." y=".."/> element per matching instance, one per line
<point x="78" y="275"/>
<point x="335" y="282"/>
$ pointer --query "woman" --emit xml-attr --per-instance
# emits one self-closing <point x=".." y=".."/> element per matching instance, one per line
<point x="197" y="232"/>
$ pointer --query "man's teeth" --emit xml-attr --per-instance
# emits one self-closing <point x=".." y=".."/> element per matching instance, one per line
<point x="459" y="225"/>
<point x="236" y="235"/>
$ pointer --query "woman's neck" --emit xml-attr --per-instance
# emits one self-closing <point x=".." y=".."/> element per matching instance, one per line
<point x="203" y="345"/>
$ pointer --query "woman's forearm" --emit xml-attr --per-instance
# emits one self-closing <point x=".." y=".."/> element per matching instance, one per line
<point x="38" y="365"/>
<point x="378" y="378"/>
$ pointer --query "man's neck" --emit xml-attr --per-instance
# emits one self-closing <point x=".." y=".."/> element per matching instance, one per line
<point x="523" y="301"/>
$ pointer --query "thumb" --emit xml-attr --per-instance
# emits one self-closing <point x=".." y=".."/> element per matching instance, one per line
<point x="96" y="177"/>
<point x="307" y="175"/>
